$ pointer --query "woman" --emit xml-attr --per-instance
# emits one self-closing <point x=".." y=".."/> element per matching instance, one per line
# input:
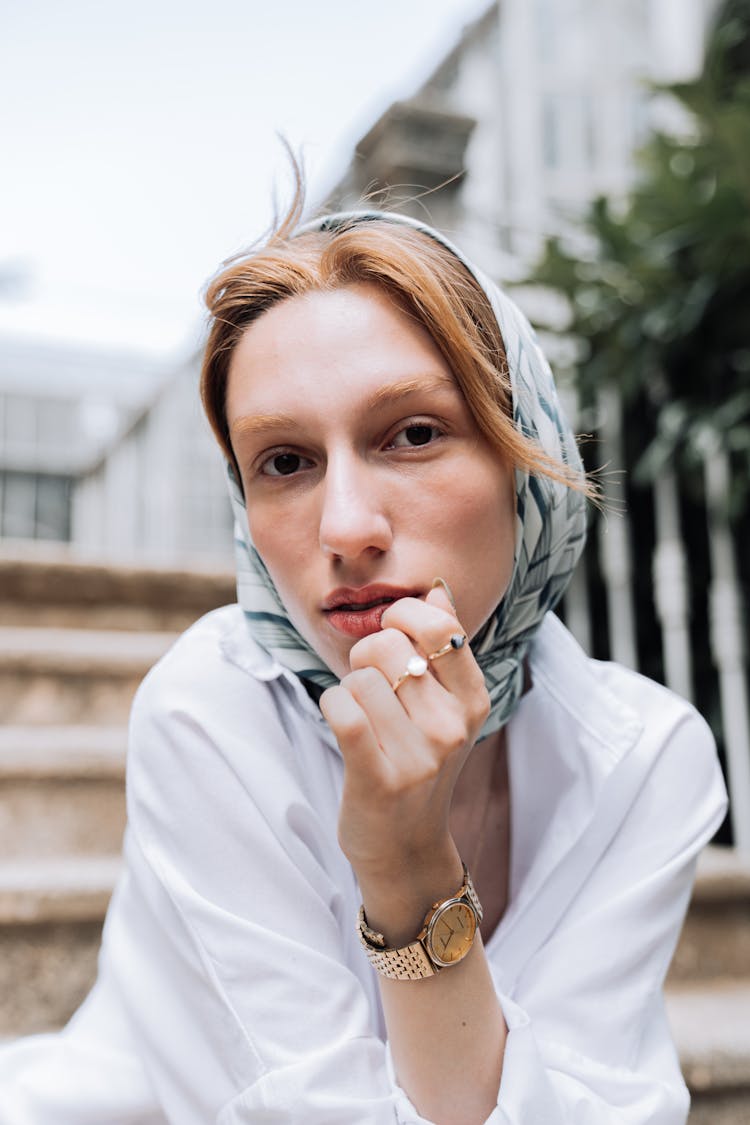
<point x="398" y="851"/>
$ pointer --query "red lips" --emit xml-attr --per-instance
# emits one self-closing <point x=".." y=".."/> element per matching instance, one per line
<point x="357" y="612"/>
<point x="365" y="595"/>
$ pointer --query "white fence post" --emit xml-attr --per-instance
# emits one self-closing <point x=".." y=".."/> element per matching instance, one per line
<point x="727" y="644"/>
<point x="614" y="539"/>
<point x="671" y="587"/>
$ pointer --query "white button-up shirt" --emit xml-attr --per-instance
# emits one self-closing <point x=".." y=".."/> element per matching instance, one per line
<point x="232" y="987"/>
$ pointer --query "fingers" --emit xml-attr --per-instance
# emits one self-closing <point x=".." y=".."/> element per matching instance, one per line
<point x="429" y="623"/>
<point x="415" y="683"/>
<point x="380" y="744"/>
<point x="435" y="631"/>
<point x="441" y="595"/>
<point x="447" y="714"/>
<point x="404" y="740"/>
<point x="396" y="792"/>
<point x="350" y="722"/>
<point x="391" y="652"/>
<point x="377" y="665"/>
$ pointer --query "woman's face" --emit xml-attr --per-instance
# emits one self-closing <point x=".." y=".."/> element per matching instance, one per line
<point x="364" y="473"/>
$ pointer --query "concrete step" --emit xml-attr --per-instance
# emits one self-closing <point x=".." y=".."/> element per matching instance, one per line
<point x="711" y="1028"/>
<point x="730" y="1107"/>
<point x="715" y="941"/>
<point x="49" y="585"/>
<point x="66" y="889"/>
<point x="62" y="791"/>
<point x="51" y="916"/>
<point x="73" y="675"/>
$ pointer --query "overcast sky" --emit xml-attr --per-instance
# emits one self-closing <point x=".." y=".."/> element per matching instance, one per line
<point x="138" y="140"/>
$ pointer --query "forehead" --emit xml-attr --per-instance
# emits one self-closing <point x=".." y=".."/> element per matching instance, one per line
<point x="354" y="337"/>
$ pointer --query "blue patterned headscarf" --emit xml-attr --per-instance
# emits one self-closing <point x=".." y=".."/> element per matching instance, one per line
<point x="550" y="517"/>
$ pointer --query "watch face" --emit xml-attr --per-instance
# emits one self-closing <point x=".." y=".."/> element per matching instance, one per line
<point x="451" y="933"/>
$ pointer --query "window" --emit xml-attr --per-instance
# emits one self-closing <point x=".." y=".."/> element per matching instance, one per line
<point x="34" y="506"/>
<point x="568" y="131"/>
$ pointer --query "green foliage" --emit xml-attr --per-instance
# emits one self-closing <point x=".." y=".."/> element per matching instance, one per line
<point x="661" y="305"/>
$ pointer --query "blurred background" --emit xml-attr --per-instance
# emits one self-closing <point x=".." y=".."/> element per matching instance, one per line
<point x="592" y="155"/>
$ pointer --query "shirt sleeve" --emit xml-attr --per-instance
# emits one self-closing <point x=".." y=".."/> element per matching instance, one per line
<point x="230" y="945"/>
<point x="87" y="1074"/>
<point x="588" y="1036"/>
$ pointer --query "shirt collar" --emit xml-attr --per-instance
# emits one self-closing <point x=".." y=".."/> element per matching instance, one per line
<point x="571" y="677"/>
<point x="240" y="647"/>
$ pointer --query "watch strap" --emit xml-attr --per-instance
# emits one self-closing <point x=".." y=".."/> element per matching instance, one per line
<point x="411" y="962"/>
<point x="473" y="897"/>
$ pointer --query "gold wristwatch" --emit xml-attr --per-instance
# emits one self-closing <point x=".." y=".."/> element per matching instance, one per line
<point x="447" y="935"/>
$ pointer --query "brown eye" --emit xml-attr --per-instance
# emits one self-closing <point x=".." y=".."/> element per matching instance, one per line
<point x="284" y="464"/>
<point x="419" y="433"/>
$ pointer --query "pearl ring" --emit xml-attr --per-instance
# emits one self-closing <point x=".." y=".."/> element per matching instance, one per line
<point x="417" y="665"/>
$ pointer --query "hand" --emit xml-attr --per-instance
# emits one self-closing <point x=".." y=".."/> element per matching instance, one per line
<point x="404" y="750"/>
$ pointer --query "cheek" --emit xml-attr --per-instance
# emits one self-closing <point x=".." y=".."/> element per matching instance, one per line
<point x="283" y="549"/>
<point x="280" y="527"/>
<point x="287" y="545"/>
<point x="471" y="510"/>
<point x="476" y="522"/>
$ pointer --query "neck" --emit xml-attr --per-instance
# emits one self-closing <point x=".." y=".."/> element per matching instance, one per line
<point x="482" y="785"/>
<point x="480" y="825"/>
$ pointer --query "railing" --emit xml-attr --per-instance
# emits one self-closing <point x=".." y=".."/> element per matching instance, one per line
<point x="693" y="635"/>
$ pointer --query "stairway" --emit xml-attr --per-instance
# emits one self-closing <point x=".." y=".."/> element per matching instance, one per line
<point x="75" y="640"/>
<point x="708" y="991"/>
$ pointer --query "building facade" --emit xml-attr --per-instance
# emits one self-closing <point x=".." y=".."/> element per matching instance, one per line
<point x="158" y="492"/>
<point x="61" y="404"/>
<point x="540" y="107"/>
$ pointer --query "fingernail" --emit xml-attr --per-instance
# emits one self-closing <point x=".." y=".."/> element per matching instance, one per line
<point x="441" y="582"/>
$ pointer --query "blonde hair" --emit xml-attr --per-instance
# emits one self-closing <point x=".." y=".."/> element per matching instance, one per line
<point x="426" y="280"/>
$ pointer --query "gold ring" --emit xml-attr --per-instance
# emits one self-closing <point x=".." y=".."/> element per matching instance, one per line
<point x="416" y="667"/>
<point x="456" y="641"/>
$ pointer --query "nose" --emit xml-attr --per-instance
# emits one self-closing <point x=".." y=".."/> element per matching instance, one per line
<point x="353" y="517"/>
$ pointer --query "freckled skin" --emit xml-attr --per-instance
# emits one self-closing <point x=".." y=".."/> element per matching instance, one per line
<point x="368" y="500"/>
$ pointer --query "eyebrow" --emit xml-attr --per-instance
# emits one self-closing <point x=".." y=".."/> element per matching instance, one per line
<point x="259" y="424"/>
<point x="252" y="424"/>
<point x="394" y="392"/>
